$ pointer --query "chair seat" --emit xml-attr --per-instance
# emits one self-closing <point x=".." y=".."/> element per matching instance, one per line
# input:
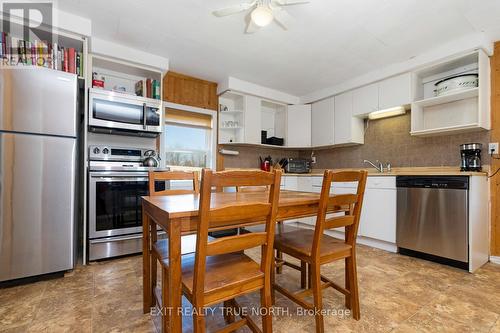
<point x="299" y="244"/>
<point x="235" y="272"/>
<point x="188" y="245"/>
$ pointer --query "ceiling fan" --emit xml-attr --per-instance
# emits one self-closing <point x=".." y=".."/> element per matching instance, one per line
<point x="263" y="12"/>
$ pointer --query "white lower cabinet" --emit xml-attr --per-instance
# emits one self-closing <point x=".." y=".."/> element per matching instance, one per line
<point x="298" y="183"/>
<point x="378" y="216"/>
<point x="304" y="184"/>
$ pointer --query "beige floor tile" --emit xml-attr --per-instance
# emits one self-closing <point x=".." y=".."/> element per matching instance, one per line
<point x="398" y="294"/>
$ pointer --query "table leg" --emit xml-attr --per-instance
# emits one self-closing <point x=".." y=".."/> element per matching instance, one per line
<point x="175" y="278"/>
<point x="146" y="267"/>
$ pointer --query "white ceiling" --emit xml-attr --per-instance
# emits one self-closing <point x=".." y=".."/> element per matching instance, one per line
<point x="330" y="41"/>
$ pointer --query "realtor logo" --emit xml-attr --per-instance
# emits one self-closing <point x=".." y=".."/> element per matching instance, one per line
<point x="29" y="17"/>
<point x="26" y="37"/>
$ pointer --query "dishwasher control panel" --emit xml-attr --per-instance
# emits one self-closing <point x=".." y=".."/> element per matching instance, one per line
<point x="444" y="182"/>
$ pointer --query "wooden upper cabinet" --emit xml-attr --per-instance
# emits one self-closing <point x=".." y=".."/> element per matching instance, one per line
<point x="187" y="90"/>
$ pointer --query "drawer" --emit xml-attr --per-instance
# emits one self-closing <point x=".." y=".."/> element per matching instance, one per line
<point x="387" y="182"/>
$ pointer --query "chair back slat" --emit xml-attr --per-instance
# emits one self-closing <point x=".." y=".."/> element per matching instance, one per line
<point x="236" y="243"/>
<point x="247" y="211"/>
<point x="156" y="176"/>
<point x="349" y="204"/>
<point x="252" y="188"/>
<point x="340" y="200"/>
<point x="236" y="213"/>
<point x="242" y="178"/>
<point x="339" y="221"/>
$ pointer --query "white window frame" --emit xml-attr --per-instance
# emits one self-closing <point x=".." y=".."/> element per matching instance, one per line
<point x="213" y="132"/>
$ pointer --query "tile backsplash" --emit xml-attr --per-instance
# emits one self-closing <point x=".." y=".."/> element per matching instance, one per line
<point x="249" y="156"/>
<point x="387" y="140"/>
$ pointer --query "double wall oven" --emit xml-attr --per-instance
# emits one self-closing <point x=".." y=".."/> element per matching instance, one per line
<point x="117" y="181"/>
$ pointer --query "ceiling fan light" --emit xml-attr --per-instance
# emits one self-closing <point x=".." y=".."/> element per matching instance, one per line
<point x="262" y="16"/>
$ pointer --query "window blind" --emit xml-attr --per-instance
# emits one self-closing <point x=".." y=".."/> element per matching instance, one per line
<point x="181" y="117"/>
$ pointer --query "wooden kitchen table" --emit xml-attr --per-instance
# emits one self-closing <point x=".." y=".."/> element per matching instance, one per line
<point x="178" y="214"/>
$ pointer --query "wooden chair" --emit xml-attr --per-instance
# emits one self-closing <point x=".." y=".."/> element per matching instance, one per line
<point x="219" y="271"/>
<point x="281" y="228"/>
<point x="159" y="250"/>
<point x="316" y="249"/>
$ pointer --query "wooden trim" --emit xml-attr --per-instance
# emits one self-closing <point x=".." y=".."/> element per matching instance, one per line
<point x="183" y="89"/>
<point x="495" y="137"/>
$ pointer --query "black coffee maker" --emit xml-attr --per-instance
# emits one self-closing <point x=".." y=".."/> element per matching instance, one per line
<point x="471" y="157"/>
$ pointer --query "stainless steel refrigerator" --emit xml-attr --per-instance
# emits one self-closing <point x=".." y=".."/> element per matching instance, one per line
<point x="38" y="146"/>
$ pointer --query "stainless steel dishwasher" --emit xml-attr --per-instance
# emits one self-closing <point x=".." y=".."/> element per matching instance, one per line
<point x="432" y="218"/>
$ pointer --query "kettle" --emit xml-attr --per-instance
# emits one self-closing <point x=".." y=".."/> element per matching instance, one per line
<point x="151" y="160"/>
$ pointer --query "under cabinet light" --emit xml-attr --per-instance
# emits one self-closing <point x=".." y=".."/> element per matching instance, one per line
<point x="397" y="111"/>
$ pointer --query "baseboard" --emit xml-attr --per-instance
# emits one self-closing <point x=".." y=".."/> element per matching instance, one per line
<point x="495" y="260"/>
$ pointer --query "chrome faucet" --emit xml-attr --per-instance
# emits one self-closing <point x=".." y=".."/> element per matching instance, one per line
<point x="380" y="167"/>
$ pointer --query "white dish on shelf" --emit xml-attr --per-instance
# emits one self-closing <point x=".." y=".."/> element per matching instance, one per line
<point x="456" y="83"/>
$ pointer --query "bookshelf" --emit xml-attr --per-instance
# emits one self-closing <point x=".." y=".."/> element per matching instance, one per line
<point x="124" y="77"/>
<point x="67" y="52"/>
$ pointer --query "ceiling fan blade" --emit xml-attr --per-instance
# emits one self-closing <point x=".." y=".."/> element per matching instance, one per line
<point x="251" y="27"/>
<point x="234" y="9"/>
<point x="289" y="2"/>
<point x="282" y="17"/>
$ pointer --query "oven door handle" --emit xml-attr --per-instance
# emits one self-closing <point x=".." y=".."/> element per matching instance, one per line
<point x="122" y="179"/>
<point x="115" y="239"/>
<point x="123" y="238"/>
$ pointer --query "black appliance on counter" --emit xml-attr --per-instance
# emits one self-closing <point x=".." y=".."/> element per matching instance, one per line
<point x="272" y="140"/>
<point x="297" y="165"/>
<point x="471" y="157"/>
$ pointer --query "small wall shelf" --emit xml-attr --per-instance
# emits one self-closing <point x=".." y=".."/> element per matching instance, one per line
<point x="461" y="111"/>
<point x="231" y="110"/>
<point x="448" y="98"/>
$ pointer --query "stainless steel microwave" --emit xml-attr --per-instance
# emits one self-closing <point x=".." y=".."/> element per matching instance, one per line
<point x="125" y="113"/>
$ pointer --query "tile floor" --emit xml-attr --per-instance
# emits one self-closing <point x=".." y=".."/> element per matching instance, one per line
<point x="398" y="294"/>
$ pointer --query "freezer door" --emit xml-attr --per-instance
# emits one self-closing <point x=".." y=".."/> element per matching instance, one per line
<point x="37" y="205"/>
<point x="38" y="100"/>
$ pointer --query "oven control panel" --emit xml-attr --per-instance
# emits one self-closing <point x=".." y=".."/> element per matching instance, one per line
<point x="109" y="153"/>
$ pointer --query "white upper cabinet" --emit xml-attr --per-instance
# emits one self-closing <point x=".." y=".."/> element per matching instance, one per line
<point x="298" y="126"/>
<point x="395" y="91"/>
<point x="322" y="122"/>
<point x="365" y="100"/>
<point x="348" y="129"/>
<point x="253" y="115"/>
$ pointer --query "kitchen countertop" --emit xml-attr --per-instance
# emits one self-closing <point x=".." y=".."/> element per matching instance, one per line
<point x="404" y="171"/>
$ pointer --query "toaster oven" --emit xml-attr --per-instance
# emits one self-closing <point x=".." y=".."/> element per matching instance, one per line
<point x="297" y="165"/>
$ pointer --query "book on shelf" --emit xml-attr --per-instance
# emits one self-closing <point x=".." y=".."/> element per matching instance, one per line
<point x="148" y="88"/>
<point x="139" y="88"/>
<point x="18" y="52"/>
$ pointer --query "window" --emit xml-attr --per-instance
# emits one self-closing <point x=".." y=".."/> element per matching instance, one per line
<point x="189" y="140"/>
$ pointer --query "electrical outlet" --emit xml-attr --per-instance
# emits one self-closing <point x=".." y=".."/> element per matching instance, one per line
<point x="493" y="148"/>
